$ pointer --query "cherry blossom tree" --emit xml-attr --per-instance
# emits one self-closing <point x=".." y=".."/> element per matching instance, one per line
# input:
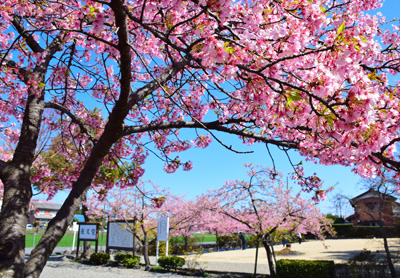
<point x="265" y="206"/>
<point x="307" y="75"/>
<point x="143" y="204"/>
<point x="186" y="217"/>
<point x="215" y="222"/>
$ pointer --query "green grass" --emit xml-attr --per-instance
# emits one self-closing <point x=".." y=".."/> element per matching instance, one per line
<point x="197" y="238"/>
<point x="66" y="240"/>
<point x="157" y="267"/>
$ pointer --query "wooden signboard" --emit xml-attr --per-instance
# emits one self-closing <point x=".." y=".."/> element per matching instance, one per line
<point x="88" y="232"/>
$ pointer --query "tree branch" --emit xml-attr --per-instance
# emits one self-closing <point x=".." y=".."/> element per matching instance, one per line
<point x="65" y="110"/>
<point x="32" y="43"/>
<point x="216" y="125"/>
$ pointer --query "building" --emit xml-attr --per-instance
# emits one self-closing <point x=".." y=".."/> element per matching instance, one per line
<point x="42" y="211"/>
<point x="368" y="205"/>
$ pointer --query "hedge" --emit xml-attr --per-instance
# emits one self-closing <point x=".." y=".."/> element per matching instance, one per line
<point x="350" y="231"/>
<point x="304" y="268"/>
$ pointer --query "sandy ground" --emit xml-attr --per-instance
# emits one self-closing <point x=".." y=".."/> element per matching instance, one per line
<point x="243" y="261"/>
<point x="338" y="250"/>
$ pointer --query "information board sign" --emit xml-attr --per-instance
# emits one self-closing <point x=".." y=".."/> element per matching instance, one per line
<point x="88" y="232"/>
<point x="162" y="229"/>
<point x="120" y="235"/>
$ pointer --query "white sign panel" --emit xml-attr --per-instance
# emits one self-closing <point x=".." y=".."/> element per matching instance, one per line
<point x="162" y="229"/>
<point x="75" y="227"/>
<point x="118" y="236"/>
<point x="87" y="232"/>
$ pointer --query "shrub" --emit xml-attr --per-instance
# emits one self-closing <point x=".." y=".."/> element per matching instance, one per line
<point x="364" y="255"/>
<point x="361" y="269"/>
<point x="225" y="241"/>
<point x="305" y="269"/>
<point x="169" y="262"/>
<point x="127" y="260"/>
<point x="342" y="230"/>
<point x="99" y="258"/>
<point x="339" y="220"/>
<point x="350" y="231"/>
<point x="192" y="261"/>
<point x="363" y="264"/>
<point x="153" y="248"/>
<point x="131" y="262"/>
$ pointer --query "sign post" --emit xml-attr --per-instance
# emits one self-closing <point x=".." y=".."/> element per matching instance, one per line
<point x="75" y="228"/>
<point x="88" y="232"/>
<point x="162" y="234"/>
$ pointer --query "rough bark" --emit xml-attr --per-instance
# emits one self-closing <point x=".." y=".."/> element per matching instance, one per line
<point x="16" y="178"/>
<point x="13" y="219"/>
<point x="16" y="175"/>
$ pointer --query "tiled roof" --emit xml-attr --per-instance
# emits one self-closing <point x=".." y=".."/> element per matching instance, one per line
<point x="45" y="205"/>
<point x="371" y="193"/>
<point x="41" y="216"/>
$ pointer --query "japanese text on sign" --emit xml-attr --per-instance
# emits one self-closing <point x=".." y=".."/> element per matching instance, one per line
<point x="88" y="232"/>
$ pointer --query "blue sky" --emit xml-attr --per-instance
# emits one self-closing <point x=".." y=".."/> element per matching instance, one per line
<point x="215" y="164"/>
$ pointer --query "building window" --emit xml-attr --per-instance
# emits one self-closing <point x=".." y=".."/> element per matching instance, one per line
<point x="371" y="206"/>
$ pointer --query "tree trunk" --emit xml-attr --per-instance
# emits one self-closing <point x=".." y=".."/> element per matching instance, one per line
<point x="16" y="175"/>
<point x="389" y="260"/>
<point x="59" y="224"/>
<point x="216" y="240"/>
<point x="16" y="178"/>
<point x="134" y="237"/>
<point x="270" y="259"/>
<point x="392" y="269"/>
<point x="146" y="252"/>
<point x="13" y="220"/>
<point x="185" y="238"/>
<point x="86" y="244"/>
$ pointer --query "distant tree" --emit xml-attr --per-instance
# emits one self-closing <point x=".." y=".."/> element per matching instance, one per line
<point x="332" y="217"/>
<point x="142" y="204"/>
<point x="215" y="222"/>
<point x="341" y="203"/>
<point x="264" y="205"/>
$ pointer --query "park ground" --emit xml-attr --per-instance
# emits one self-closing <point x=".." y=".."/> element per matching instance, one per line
<point x="338" y="250"/>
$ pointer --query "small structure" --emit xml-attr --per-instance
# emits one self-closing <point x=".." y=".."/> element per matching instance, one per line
<point x="43" y="211"/>
<point x="368" y="205"/>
